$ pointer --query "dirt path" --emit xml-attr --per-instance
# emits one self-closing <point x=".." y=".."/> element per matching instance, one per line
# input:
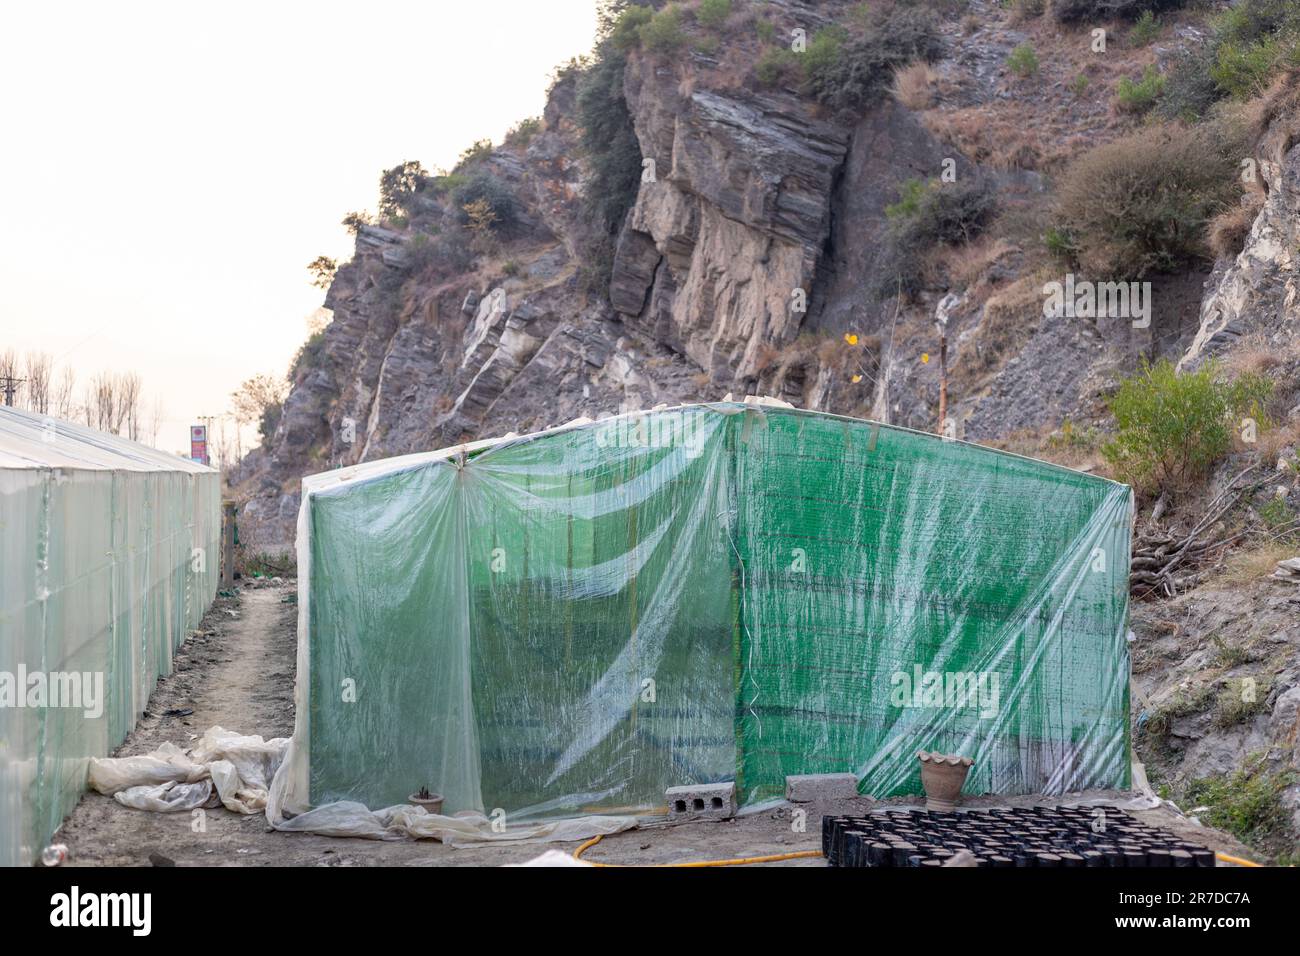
<point x="236" y="671"/>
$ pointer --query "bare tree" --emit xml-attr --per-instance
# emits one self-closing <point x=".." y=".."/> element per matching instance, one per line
<point x="128" y="405"/>
<point x="40" y="369"/>
<point x="101" y="402"/>
<point x="255" y="395"/>
<point x="65" y="405"/>
<point x="157" y="416"/>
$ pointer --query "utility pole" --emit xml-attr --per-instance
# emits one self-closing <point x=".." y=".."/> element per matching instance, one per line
<point x="10" y="385"/>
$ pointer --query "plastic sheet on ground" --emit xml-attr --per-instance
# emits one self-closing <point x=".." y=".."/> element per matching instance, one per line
<point x="235" y="771"/>
<point x="571" y="622"/>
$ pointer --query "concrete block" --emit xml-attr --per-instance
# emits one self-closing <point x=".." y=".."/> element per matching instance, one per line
<point x="704" y="801"/>
<point x="813" y="787"/>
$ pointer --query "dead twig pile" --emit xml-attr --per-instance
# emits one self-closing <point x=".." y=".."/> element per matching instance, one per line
<point x="1158" y="554"/>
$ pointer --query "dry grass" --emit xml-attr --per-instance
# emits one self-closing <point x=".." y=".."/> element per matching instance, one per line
<point x="1043" y="124"/>
<point x="1227" y="232"/>
<point x="1253" y="359"/>
<point x="999" y="140"/>
<point x="1254" y="563"/>
<point x="1070" y="446"/>
<point x="1272" y="441"/>
<point x="966" y="265"/>
<point x="914" y="85"/>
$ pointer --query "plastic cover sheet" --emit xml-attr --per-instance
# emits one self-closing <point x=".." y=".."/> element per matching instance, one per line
<point x="574" y="621"/>
<point x="108" y="556"/>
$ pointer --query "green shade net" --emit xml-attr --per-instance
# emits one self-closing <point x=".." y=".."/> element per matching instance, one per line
<point x="575" y="621"/>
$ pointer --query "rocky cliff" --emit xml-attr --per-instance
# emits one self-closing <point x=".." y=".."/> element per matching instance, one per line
<point x="762" y="246"/>
<point x="754" y="242"/>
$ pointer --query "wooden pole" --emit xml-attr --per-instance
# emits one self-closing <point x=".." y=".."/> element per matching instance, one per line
<point x="228" y="544"/>
<point x="943" y="380"/>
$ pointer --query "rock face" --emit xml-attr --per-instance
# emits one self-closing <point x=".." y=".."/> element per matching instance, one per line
<point x="720" y="250"/>
<point x="1257" y="291"/>
<point x="751" y="249"/>
<point x="1220" y="691"/>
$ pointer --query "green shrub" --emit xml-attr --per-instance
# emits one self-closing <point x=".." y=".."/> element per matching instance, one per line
<point x="1228" y="655"/>
<point x="1073" y="11"/>
<point x="1023" y="61"/>
<point x="925" y="215"/>
<point x="1278" y="517"/>
<point x="1190" y="89"/>
<point x="1171" y="428"/>
<point x="663" y="33"/>
<point x="1142" y="202"/>
<point x="766" y="30"/>
<point x="626" y="30"/>
<point x="310" y="355"/>
<point x="521" y="134"/>
<point x="848" y="71"/>
<point x="398" y="186"/>
<point x="610" y="145"/>
<point x="824" y="55"/>
<point x="779" y="67"/>
<point x="1250" y="43"/>
<point x="609" y="140"/>
<point x="1242" y="69"/>
<point x="713" y="14"/>
<point x="1233" y="708"/>
<point x="268" y="421"/>
<point x="487" y="188"/>
<point x="448" y="182"/>
<point x="474" y="153"/>
<point x="1060" y="244"/>
<point x="1145" y="29"/>
<point x="1139" y="96"/>
<point x="1247" y="803"/>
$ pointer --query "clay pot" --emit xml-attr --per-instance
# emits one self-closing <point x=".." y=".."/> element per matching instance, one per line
<point x="432" y="803"/>
<point x="942" y="776"/>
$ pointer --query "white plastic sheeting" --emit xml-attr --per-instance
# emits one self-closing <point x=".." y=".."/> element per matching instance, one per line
<point x="108" y="556"/>
<point x="235" y="771"/>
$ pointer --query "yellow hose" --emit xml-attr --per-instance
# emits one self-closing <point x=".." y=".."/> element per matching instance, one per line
<point x="741" y="861"/>
<point x="776" y="857"/>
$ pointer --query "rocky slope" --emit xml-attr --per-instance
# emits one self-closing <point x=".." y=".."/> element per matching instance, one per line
<point x="754" y="244"/>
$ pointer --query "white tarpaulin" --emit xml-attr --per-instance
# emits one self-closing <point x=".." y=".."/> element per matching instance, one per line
<point x="237" y="772"/>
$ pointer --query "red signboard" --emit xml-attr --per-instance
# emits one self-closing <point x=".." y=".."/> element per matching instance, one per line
<point x="199" y="444"/>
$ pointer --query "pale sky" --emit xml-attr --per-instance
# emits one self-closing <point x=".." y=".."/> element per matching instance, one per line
<point x="167" y="170"/>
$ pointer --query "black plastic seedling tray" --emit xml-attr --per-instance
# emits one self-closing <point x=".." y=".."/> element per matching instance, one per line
<point x="1043" y="837"/>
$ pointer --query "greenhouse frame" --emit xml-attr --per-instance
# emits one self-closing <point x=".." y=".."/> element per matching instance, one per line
<point x="109" y="555"/>
<point x="573" y="621"/>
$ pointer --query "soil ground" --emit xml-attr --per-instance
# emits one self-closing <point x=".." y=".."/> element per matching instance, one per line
<point x="237" y="671"/>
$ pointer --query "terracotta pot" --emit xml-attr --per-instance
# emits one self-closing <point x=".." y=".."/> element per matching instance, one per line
<point x="942" y="776"/>
<point x="432" y="803"/>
